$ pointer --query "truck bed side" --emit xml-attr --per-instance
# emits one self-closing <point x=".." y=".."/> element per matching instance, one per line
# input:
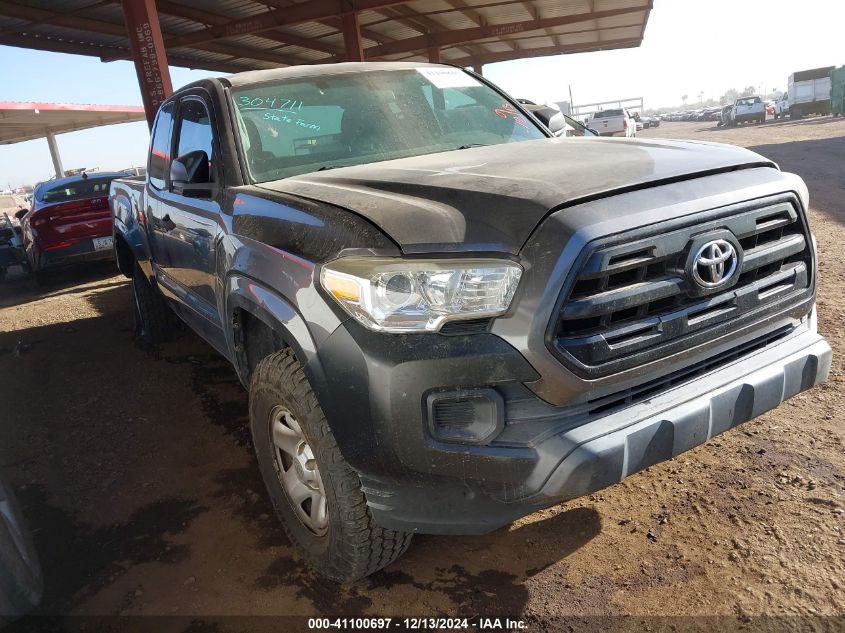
<point x="126" y="199"/>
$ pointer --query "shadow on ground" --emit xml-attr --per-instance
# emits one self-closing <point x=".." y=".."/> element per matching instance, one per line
<point x="20" y="288"/>
<point x="821" y="163"/>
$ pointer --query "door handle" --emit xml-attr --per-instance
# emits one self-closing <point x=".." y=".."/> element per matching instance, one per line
<point x="167" y="223"/>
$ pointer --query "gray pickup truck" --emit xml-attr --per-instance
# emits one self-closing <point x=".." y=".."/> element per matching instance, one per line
<point x="446" y="317"/>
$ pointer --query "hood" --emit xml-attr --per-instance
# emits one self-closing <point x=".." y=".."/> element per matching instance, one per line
<point x="492" y="198"/>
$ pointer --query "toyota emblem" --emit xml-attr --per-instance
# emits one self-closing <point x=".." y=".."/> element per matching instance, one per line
<point x="714" y="263"/>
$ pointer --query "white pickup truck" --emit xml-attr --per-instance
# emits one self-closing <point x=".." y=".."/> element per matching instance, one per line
<point x="748" y="109"/>
<point x="617" y="122"/>
<point x="782" y="105"/>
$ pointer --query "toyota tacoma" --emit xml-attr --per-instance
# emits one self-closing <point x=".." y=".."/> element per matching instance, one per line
<point x="446" y="317"/>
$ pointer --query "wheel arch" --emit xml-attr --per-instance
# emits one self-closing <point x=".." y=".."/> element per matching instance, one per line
<point x="124" y="256"/>
<point x="260" y="322"/>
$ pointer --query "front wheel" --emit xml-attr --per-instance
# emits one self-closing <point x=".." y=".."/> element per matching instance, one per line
<point x="315" y="492"/>
<point x="21" y="579"/>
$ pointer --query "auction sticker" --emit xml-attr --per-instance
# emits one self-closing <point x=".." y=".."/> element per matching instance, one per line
<point x="448" y="77"/>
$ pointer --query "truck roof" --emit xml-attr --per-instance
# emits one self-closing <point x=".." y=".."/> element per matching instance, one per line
<point x="292" y="72"/>
<point x="813" y="73"/>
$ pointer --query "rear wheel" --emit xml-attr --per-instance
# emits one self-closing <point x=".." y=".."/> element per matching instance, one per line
<point x="152" y="320"/>
<point x="315" y="492"/>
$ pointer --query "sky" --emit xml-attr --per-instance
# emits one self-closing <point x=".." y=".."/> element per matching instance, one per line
<point x="691" y="47"/>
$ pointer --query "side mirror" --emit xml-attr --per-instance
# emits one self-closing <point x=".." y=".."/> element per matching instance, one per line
<point x="556" y="125"/>
<point x="190" y="175"/>
<point x="179" y="174"/>
<point x="19" y="214"/>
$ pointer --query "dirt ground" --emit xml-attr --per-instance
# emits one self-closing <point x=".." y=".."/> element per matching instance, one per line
<point x="137" y="476"/>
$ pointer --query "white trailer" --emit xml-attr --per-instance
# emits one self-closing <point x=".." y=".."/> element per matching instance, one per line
<point x="809" y="92"/>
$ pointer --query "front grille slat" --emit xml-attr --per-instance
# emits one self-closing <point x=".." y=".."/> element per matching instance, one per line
<point x="773" y="252"/>
<point x="620" y="298"/>
<point x="633" y="296"/>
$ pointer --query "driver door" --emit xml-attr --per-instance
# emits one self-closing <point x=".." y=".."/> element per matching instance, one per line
<point x="192" y="220"/>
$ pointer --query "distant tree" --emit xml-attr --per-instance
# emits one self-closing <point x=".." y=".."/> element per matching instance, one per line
<point x="729" y="97"/>
<point x="748" y="91"/>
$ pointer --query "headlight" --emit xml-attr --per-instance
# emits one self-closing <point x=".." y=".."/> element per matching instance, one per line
<point x="396" y="295"/>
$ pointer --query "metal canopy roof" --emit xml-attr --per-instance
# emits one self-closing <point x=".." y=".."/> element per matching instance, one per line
<point x="237" y="35"/>
<point x="26" y="121"/>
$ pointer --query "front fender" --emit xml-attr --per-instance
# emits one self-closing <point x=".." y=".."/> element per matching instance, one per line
<point x="261" y="302"/>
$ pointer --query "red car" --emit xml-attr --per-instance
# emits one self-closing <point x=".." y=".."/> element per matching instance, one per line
<point x="70" y="221"/>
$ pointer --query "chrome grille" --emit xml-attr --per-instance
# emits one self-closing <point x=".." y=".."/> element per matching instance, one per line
<point x="633" y="298"/>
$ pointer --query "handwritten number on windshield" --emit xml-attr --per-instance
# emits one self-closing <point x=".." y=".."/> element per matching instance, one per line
<point x="245" y="102"/>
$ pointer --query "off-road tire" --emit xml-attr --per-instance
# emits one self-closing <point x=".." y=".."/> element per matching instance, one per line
<point x="21" y="579"/>
<point x="353" y="546"/>
<point x="152" y="320"/>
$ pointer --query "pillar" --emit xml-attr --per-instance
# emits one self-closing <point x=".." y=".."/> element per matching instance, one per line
<point x="147" y="46"/>
<point x="54" y="154"/>
<point x="434" y="55"/>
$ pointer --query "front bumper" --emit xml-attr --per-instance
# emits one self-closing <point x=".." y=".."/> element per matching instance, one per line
<point x="373" y="402"/>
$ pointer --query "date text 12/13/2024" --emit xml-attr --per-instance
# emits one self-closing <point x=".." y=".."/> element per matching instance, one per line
<point x="417" y="624"/>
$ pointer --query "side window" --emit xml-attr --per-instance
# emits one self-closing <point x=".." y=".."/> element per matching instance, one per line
<point x="195" y="135"/>
<point x="160" y="147"/>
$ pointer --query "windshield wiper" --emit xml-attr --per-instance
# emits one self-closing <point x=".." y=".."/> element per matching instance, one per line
<point x="470" y="145"/>
<point x="327" y="167"/>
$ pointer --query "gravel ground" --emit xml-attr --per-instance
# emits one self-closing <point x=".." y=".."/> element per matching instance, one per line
<point x="137" y="476"/>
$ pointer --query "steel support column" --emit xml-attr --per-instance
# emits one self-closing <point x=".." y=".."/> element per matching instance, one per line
<point x="54" y="154"/>
<point x="352" y="37"/>
<point x="477" y="69"/>
<point x="434" y="54"/>
<point x="148" y="53"/>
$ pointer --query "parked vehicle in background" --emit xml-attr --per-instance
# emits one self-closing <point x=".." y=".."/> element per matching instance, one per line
<point x="69" y="222"/>
<point x="556" y="121"/>
<point x="782" y="106"/>
<point x="747" y="110"/>
<point x="809" y="92"/>
<point x="770" y="108"/>
<point x="11" y="203"/>
<point x="445" y="330"/>
<point x="725" y="116"/>
<point x="837" y="91"/>
<point x="21" y="578"/>
<point x="713" y="114"/>
<point x="11" y="245"/>
<point x="616" y="122"/>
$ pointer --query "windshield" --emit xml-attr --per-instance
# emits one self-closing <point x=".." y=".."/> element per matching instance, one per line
<point x="297" y="126"/>
<point x="748" y="101"/>
<point x="82" y="188"/>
